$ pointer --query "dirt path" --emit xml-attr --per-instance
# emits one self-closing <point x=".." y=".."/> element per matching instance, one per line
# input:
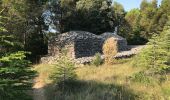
<point x="38" y="89"/>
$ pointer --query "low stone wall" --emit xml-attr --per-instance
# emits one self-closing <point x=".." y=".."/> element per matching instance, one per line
<point x="133" y="50"/>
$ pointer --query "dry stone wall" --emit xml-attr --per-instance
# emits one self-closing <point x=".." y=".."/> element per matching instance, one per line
<point x="80" y="44"/>
<point x="88" y="47"/>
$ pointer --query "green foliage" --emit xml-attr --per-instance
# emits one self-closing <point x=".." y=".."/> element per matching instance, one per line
<point x="148" y="11"/>
<point x="97" y="61"/>
<point x="119" y="14"/>
<point x="140" y="24"/>
<point x="166" y="91"/>
<point x="131" y="29"/>
<point x="132" y="17"/>
<point x="64" y="71"/>
<point x="141" y="77"/>
<point x="155" y="58"/>
<point x="15" y="72"/>
<point x="166" y="47"/>
<point x="95" y="16"/>
<point x="24" y="24"/>
<point x="15" y="12"/>
<point x="37" y="45"/>
<point x="15" y="76"/>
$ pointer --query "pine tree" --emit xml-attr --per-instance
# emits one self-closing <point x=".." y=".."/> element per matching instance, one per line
<point x="15" y="73"/>
<point x="156" y="55"/>
<point x="166" y="38"/>
<point x="167" y="47"/>
<point x="64" y="70"/>
<point x="97" y="60"/>
<point x="15" y="76"/>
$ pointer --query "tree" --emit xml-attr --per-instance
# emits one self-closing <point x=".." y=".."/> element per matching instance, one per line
<point x="133" y="17"/>
<point x="88" y="15"/>
<point x="161" y="17"/>
<point x="15" y="76"/>
<point x="148" y="11"/>
<point x="141" y="23"/>
<point x="64" y="70"/>
<point x="119" y="14"/>
<point x="156" y="56"/>
<point x="15" y="11"/>
<point x="167" y="46"/>
<point x="143" y="5"/>
<point x="131" y="28"/>
<point x="15" y="72"/>
<point x="166" y="38"/>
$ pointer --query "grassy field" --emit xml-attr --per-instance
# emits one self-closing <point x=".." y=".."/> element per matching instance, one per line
<point x="103" y="83"/>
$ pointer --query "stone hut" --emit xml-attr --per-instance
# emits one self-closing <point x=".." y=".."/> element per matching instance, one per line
<point x="80" y="44"/>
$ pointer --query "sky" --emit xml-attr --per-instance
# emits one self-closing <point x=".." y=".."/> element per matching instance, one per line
<point x="130" y="4"/>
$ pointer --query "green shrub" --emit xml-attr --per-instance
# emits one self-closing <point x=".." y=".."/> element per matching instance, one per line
<point x="97" y="60"/>
<point x="15" y="77"/>
<point x="64" y="71"/>
<point x="154" y="57"/>
<point x="166" y="91"/>
<point x="141" y="77"/>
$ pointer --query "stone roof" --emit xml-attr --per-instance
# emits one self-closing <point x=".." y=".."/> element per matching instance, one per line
<point x="71" y="36"/>
<point x="110" y="34"/>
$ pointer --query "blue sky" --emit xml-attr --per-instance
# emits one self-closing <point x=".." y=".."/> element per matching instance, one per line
<point x="130" y="4"/>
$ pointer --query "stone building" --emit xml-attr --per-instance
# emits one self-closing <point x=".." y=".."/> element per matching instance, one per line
<point x="80" y="44"/>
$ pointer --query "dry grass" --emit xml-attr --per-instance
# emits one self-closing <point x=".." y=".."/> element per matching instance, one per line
<point x="105" y="83"/>
<point x="113" y="73"/>
<point x="110" y="49"/>
<point x="44" y="71"/>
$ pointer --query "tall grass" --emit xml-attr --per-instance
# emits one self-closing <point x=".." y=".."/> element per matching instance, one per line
<point x="105" y="83"/>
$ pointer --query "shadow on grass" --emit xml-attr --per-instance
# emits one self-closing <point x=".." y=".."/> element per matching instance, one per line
<point x="18" y="89"/>
<point x="88" y="90"/>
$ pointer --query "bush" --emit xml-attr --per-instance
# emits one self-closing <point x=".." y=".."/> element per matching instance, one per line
<point x="110" y="49"/>
<point x="141" y="77"/>
<point x="64" y="70"/>
<point x="97" y="60"/>
<point x="15" y="77"/>
<point x="154" y="56"/>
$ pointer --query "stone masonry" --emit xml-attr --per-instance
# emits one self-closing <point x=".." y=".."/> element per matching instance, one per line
<point x="80" y="44"/>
